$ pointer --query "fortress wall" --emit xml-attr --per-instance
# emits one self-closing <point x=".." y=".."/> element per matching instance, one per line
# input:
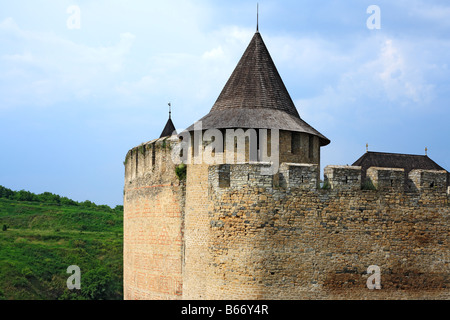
<point x="197" y="235"/>
<point x="153" y="218"/>
<point x="269" y="242"/>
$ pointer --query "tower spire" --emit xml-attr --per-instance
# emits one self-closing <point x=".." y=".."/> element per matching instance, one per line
<point x="257" y="17"/>
<point x="169" y="129"/>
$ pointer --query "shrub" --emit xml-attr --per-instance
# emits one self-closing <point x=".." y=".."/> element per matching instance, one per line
<point x="98" y="284"/>
<point x="180" y="171"/>
<point x="326" y="185"/>
<point x="368" y="185"/>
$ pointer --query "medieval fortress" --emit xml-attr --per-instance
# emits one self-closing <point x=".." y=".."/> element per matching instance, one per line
<point x="233" y="208"/>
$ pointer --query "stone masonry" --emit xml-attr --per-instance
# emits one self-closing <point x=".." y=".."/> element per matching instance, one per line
<point x="229" y="232"/>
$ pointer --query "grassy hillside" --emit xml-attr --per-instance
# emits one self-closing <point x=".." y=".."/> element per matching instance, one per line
<point x="40" y="240"/>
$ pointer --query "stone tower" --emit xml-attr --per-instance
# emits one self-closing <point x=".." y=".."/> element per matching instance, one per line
<point x="254" y="97"/>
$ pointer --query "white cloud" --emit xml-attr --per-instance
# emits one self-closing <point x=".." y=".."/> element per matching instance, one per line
<point x="50" y="68"/>
<point x="374" y="88"/>
<point x="400" y="78"/>
<point x="214" y="54"/>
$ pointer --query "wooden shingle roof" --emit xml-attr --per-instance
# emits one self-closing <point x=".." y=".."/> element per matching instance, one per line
<point x="407" y="162"/>
<point x="256" y="97"/>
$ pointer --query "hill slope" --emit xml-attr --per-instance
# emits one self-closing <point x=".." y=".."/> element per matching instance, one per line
<point x="39" y="241"/>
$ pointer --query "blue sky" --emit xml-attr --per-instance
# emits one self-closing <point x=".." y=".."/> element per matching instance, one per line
<point x="74" y="101"/>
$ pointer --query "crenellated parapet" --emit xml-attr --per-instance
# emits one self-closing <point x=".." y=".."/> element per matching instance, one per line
<point x="429" y="180"/>
<point x="338" y="178"/>
<point x="294" y="175"/>
<point x="343" y="177"/>
<point x="386" y="178"/>
<point x="237" y="176"/>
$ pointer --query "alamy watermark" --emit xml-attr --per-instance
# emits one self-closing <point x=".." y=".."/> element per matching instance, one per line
<point x="260" y="146"/>
<point x="374" y="21"/>
<point x="74" y="20"/>
<point x="74" y="281"/>
<point x="374" y="281"/>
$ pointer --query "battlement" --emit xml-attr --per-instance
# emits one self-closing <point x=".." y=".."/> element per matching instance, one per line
<point x="154" y="158"/>
<point x="340" y="178"/>
<point x="343" y="177"/>
<point x="386" y="178"/>
<point x="425" y="180"/>
<point x="303" y="176"/>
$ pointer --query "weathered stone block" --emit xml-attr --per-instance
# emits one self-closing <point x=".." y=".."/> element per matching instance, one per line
<point x="343" y="177"/>
<point x="300" y="175"/>
<point x="429" y="179"/>
<point x="250" y="174"/>
<point x="386" y="178"/>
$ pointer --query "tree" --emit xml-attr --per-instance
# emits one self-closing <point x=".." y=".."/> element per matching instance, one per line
<point x="6" y="193"/>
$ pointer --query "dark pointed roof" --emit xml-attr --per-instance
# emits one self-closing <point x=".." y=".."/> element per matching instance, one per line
<point x="168" y="129"/>
<point x="256" y="97"/>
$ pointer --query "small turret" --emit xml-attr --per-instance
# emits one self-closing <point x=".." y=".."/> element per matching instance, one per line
<point x="169" y="129"/>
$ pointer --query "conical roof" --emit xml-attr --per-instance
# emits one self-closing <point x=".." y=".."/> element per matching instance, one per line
<point x="168" y="129"/>
<point x="256" y="97"/>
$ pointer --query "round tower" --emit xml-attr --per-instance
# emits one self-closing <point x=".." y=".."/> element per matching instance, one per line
<point x="254" y="98"/>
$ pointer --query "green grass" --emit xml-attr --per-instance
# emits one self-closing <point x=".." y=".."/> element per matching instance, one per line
<point x="42" y="240"/>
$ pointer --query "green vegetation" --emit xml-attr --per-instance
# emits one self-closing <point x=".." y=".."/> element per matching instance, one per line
<point x="180" y="171"/>
<point x="326" y="185"/>
<point x="368" y="185"/>
<point x="42" y="235"/>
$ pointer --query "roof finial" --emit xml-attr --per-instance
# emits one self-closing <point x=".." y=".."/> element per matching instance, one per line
<point x="426" y="151"/>
<point x="170" y="111"/>
<point x="257" y="17"/>
<point x="367" y="147"/>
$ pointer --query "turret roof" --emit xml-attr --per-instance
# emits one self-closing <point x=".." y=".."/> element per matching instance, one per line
<point x="169" y="129"/>
<point x="256" y="97"/>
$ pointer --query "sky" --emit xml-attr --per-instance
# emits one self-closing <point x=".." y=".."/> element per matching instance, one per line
<point x="82" y="82"/>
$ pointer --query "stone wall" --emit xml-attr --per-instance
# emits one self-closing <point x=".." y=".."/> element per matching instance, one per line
<point x="269" y="242"/>
<point x="429" y="179"/>
<point x="386" y="178"/>
<point x="153" y="224"/>
<point x="231" y="232"/>
<point x="304" y="149"/>
<point x="197" y="225"/>
<point x="343" y="177"/>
